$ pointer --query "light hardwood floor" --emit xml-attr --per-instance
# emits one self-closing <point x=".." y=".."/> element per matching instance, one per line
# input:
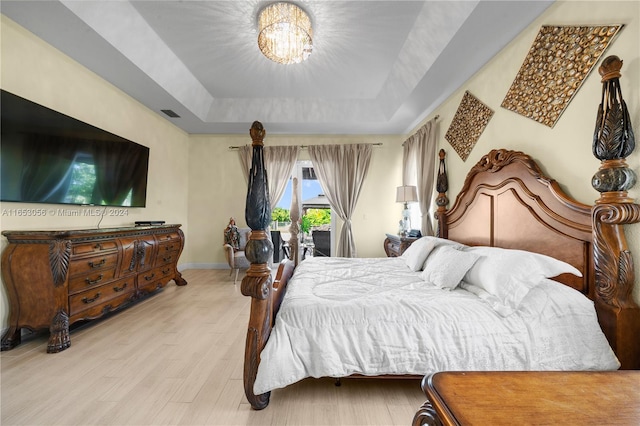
<point x="176" y="359"/>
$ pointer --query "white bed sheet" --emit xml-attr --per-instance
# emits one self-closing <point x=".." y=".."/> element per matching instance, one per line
<point x="374" y="316"/>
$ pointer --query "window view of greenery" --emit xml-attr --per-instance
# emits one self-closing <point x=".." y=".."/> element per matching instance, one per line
<point x="313" y="217"/>
<point x="318" y="217"/>
<point x="280" y="216"/>
<point x="314" y="213"/>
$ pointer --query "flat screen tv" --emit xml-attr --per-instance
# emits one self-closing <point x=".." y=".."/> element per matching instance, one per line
<point x="49" y="157"/>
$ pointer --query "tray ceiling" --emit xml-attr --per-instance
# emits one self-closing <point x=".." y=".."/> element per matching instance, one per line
<point x="377" y="67"/>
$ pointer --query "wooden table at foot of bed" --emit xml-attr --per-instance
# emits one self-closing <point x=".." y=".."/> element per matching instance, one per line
<point x="529" y="398"/>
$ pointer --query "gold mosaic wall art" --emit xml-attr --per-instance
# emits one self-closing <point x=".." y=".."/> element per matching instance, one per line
<point x="559" y="60"/>
<point x="468" y="123"/>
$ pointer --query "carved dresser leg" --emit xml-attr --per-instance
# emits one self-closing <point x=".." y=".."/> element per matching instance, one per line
<point x="11" y="338"/>
<point x="59" y="339"/>
<point x="179" y="280"/>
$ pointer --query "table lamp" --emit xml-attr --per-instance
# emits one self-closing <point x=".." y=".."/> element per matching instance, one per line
<point x="406" y="194"/>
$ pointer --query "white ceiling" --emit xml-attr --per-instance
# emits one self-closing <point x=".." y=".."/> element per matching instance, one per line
<point x="377" y="67"/>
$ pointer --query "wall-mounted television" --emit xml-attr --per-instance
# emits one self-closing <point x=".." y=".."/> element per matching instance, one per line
<point x="49" y="157"/>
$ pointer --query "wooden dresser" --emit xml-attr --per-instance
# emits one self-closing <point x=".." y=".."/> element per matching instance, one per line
<point x="55" y="278"/>
<point x="395" y="245"/>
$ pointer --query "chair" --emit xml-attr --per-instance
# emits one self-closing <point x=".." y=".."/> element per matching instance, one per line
<point x="321" y="242"/>
<point x="278" y="247"/>
<point x="286" y="249"/>
<point x="235" y="239"/>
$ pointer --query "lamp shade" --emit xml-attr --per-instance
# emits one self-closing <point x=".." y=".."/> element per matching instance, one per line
<point x="406" y="193"/>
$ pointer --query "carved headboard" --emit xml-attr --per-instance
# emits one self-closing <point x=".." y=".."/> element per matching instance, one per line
<point x="506" y="201"/>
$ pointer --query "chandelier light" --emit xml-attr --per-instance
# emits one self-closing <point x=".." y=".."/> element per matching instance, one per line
<point x="284" y="33"/>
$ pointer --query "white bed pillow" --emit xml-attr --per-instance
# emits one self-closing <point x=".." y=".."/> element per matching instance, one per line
<point x="510" y="274"/>
<point x="416" y="254"/>
<point x="446" y="265"/>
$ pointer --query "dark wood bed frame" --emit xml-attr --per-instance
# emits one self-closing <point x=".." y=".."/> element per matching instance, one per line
<point x="506" y="201"/>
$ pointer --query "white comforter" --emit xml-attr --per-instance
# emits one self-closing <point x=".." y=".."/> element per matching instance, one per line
<point x="374" y="316"/>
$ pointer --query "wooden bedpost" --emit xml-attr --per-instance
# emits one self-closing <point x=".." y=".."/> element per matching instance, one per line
<point x="442" y="186"/>
<point x="613" y="141"/>
<point x="257" y="282"/>
<point x="294" y="229"/>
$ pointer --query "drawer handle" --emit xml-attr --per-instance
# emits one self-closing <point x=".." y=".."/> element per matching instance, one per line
<point x="99" y="264"/>
<point x="168" y="248"/>
<point x="92" y="282"/>
<point x="149" y="277"/>
<point x="167" y="258"/>
<point x="91" y="300"/>
<point x="166" y="271"/>
<point x="119" y="289"/>
<point x="98" y="246"/>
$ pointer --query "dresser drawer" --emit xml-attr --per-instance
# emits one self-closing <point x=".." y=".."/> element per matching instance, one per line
<point x="93" y="264"/>
<point x="173" y="245"/>
<point x="165" y="257"/>
<point x="91" y="280"/>
<point x="394" y="249"/>
<point x="100" y="295"/>
<point x="169" y="236"/>
<point x="154" y="274"/>
<point x="395" y="245"/>
<point x="155" y="278"/>
<point x="94" y="247"/>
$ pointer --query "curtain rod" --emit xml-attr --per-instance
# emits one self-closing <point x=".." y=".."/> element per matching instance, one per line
<point x="434" y="119"/>
<point x="306" y="146"/>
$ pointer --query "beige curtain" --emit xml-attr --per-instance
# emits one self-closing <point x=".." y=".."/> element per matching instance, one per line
<point x="279" y="162"/>
<point x="245" y="153"/>
<point x="418" y="165"/>
<point x="341" y="170"/>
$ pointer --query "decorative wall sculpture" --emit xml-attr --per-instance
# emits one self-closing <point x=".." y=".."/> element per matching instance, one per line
<point x="468" y="124"/>
<point x="559" y="60"/>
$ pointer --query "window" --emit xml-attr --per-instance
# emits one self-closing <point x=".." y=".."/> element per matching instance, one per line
<point x="313" y="203"/>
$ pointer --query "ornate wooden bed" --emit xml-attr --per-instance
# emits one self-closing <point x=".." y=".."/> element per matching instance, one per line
<point x="506" y="201"/>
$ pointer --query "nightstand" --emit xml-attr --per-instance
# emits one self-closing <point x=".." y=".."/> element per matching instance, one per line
<point x="395" y="245"/>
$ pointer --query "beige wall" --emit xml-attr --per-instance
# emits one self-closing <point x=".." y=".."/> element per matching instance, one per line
<point x="217" y="191"/>
<point x="36" y="71"/>
<point x="563" y="151"/>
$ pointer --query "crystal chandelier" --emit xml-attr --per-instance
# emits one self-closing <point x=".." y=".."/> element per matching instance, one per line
<point x="285" y="34"/>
